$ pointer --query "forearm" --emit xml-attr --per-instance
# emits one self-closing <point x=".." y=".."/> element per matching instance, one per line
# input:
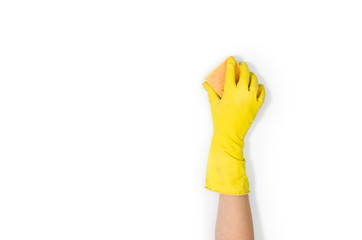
<point x="234" y="220"/>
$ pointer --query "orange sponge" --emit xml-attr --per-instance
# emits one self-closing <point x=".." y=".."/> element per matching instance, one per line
<point x="216" y="78"/>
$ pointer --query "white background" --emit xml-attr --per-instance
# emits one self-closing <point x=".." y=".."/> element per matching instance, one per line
<point x="105" y="127"/>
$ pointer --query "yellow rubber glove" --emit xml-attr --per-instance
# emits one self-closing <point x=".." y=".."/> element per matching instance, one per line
<point x="232" y="116"/>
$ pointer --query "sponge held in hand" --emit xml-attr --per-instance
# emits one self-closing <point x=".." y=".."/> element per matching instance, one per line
<point x="216" y="78"/>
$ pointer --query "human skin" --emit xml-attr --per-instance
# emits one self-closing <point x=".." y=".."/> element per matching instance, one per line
<point x="234" y="220"/>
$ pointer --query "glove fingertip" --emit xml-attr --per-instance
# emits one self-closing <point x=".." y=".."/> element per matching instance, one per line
<point x="261" y="94"/>
<point x="211" y="92"/>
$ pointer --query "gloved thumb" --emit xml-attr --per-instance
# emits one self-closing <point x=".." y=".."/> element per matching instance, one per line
<point x="213" y="97"/>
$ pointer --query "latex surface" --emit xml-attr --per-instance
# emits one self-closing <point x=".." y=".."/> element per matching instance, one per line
<point x="232" y="116"/>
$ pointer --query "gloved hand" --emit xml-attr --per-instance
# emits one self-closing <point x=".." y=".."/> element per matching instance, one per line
<point x="232" y="116"/>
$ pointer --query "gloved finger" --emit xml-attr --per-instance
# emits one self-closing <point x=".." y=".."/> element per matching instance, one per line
<point x="244" y="76"/>
<point x="253" y="86"/>
<point x="213" y="97"/>
<point x="230" y="75"/>
<point x="261" y="95"/>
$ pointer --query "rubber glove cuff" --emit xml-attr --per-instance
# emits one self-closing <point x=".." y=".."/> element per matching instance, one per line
<point x="226" y="168"/>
